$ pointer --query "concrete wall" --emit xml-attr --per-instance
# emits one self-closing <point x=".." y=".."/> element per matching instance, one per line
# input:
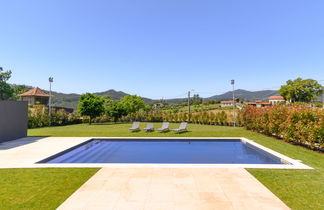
<point x="13" y="120"/>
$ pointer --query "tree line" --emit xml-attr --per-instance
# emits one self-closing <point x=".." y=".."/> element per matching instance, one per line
<point x="93" y="106"/>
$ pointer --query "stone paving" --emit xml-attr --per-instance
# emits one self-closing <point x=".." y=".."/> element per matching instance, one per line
<point x="172" y="188"/>
<point x="25" y="152"/>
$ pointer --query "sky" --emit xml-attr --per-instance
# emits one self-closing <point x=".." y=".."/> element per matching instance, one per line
<point x="161" y="48"/>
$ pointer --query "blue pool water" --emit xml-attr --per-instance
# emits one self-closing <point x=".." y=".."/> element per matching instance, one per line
<point x="161" y="151"/>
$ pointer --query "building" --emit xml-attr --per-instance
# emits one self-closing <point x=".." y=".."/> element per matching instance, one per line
<point x="226" y="103"/>
<point x="35" y="96"/>
<point x="258" y="103"/>
<point x="276" y="99"/>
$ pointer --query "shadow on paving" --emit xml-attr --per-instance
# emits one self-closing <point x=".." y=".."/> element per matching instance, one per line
<point x="19" y="142"/>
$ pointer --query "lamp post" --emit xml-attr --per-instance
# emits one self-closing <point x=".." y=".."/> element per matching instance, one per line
<point x="50" y="79"/>
<point x="234" y="120"/>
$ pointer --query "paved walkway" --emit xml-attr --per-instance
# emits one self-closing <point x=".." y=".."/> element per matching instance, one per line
<point x="172" y="188"/>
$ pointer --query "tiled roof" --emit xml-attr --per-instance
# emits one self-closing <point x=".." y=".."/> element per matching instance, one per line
<point x="226" y="102"/>
<point x="276" y="98"/>
<point x="250" y="103"/>
<point x="258" y="102"/>
<point x="35" y="92"/>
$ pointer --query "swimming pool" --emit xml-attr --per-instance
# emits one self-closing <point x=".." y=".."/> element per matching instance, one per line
<point x="166" y="151"/>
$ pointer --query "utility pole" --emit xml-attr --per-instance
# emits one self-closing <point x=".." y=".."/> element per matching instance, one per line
<point x="319" y="81"/>
<point x="323" y="100"/>
<point x="234" y="118"/>
<point x="50" y="79"/>
<point x="322" y="95"/>
<point x="189" y="102"/>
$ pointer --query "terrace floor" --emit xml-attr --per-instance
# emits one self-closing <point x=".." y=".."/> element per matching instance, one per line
<point x="172" y="188"/>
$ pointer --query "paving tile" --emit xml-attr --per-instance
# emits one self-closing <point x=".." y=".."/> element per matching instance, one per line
<point x="159" y="206"/>
<point x="172" y="188"/>
<point x="129" y="205"/>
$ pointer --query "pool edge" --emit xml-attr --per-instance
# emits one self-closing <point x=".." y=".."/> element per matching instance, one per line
<point x="294" y="164"/>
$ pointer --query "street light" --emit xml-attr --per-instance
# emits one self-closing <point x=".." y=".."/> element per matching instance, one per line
<point x="50" y="79"/>
<point x="234" y="120"/>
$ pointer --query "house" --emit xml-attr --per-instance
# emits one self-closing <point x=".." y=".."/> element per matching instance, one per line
<point x="258" y="103"/>
<point x="226" y="103"/>
<point x="276" y="99"/>
<point x="35" y="96"/>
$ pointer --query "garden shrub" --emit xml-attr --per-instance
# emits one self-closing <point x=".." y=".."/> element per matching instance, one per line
<point x="296" y="124"/>
<point x="38" y="117"/>
<point x="144" y="116"/>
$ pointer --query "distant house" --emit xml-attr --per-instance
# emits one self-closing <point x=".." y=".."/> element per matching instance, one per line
<point x="226" y="103"/>
<point x="258" y="103"/>
<point x="276" y="99"/>
<point x="35" y="96"/>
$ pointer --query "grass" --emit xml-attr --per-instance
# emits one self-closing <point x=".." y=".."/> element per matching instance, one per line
<point x="111" y="129"/>
<point x="299" y="189"/>
<point x="39" y="188"/>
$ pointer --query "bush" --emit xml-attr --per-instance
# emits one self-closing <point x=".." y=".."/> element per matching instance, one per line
<point x="144" y="116"/>
<point x="205" y="117"/>
<point x="38" y="117"/>
<point x="296" y="124"/>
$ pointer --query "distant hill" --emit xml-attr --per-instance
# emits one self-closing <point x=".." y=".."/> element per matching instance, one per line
<point x="116" y="95"/>
<point x="246" y="95"/>
<point x="71" y="100"/>
<point x="65" y="100"/>
<point x="239" y="93"/>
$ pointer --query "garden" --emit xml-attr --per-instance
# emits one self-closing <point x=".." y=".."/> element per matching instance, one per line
<point x="299" y="189"/>
<point x="295" y="130"/>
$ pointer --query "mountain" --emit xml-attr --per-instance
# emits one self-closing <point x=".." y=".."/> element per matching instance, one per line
<point x="116" y="95"/>
<point x="246" y="95"/>
<point x="71" y="100"/>
<point x="239" y="93"/>
<point x="65" y="100"/>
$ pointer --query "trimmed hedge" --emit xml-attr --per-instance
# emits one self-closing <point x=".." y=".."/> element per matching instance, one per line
<point x="39" y="117"/>
<point x="295" y="124"/>
<point x="206" y="117"/>
<point x="144" y="116"/>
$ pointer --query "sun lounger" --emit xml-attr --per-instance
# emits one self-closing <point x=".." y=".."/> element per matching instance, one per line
<point x="135" y="126"/>
<point x="182" y="127"/>
<point x="149" y="127"/>
<point x="165" y="127"/>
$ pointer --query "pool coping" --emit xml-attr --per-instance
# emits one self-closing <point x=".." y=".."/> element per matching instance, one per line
<point x="293" y="164"/>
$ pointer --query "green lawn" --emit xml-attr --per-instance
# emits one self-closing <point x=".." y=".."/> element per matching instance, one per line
<point x="299" y="189"/>
<point x="111" y="129"/>
<point x="40" y="188"/>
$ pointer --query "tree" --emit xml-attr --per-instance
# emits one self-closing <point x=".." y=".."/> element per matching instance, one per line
<point x="132" y="103"/>
<point x="90" y="105"/>
<point x="5" y="89"/>
<point x="18" y="89"/>
<point x="113" y="108"/>
<point x="300" y="90"/>
<point x="196" y="100"/>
